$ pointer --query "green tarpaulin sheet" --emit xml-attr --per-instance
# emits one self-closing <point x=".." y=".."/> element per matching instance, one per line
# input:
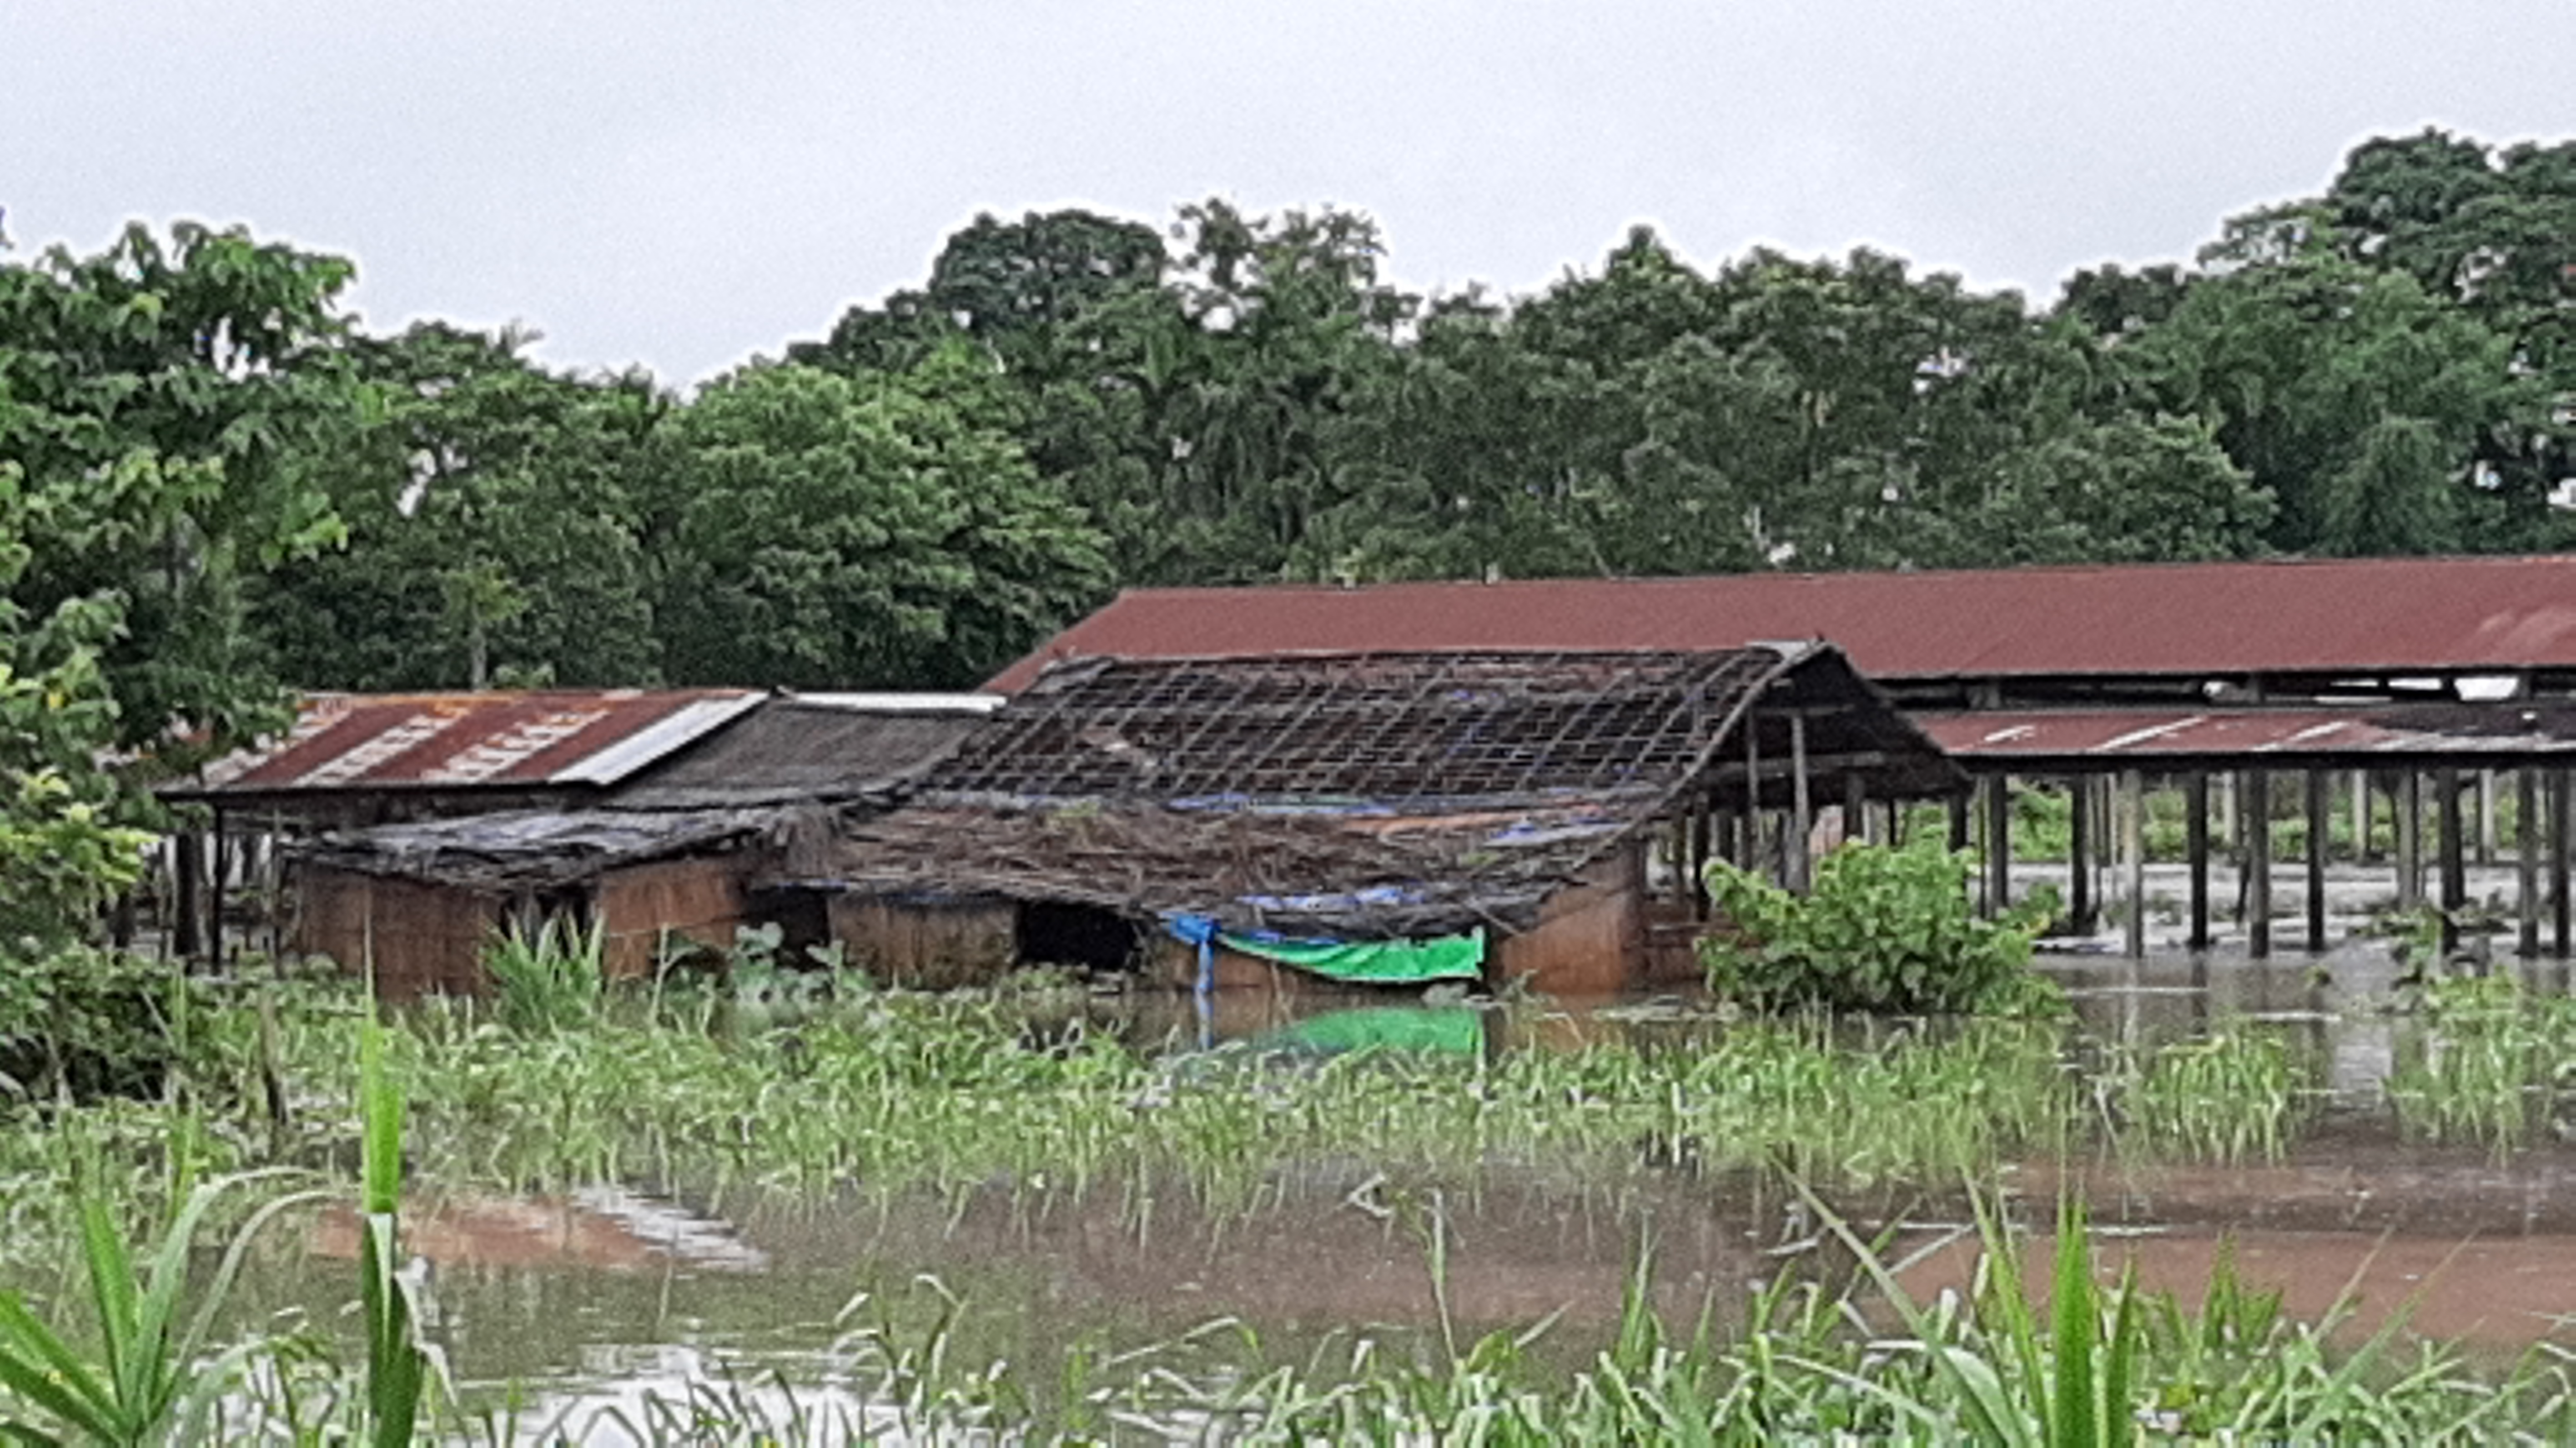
<point x="1373" y="962"/>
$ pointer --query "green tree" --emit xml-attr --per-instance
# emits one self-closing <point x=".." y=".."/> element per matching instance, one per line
<point x="879" y="530"/>
<point x="495" y="526"/>
<point x="155" y="402"/>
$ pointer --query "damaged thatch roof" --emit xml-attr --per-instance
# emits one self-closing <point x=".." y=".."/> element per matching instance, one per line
<point x="1356" y="794"/>
<point x="544" y="849"/>
<point x="1387" y="730"/>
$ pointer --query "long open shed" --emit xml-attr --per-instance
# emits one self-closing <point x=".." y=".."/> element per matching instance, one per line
<point x="1316" y="800"/>
<point x="2175" y="673"/>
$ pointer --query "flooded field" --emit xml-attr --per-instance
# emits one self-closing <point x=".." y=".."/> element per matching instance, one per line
<point x="580" y="1300"/>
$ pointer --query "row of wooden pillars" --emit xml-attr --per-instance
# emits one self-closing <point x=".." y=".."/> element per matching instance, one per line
<point x="2541" y="855"/>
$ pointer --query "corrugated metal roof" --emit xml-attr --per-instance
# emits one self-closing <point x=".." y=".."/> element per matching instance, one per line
<point x="542" y="738"/>
<point x="2243" y="737"/>
<point x="2173" y="619"/>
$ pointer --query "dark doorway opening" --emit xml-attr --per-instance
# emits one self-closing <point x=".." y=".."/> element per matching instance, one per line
<point x="1053" y="932"/>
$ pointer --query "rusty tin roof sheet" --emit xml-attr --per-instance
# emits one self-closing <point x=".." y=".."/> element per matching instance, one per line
<point x="549" y="738"/>
<point x="2353" y="736"/>
<point x="2173" y="619"/>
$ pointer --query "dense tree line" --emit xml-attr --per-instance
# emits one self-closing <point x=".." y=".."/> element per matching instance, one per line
<point x="213" y="485"/>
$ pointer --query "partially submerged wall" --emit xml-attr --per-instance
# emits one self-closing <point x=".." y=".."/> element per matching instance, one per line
<point x="1590" y="936"/>
<point x="419" y="937"/>
<point x="642" y="907"/>
<point x="928" y="943"/>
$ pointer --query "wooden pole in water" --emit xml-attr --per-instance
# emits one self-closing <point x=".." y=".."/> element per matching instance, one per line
<point x="2455" y="874"/>
<point x="2410" y="840"/>
<point x="2486" y="816"/>
<point x="2319" y="824"/>
<point x="1998" y="790"/>
<point x="2079" y="851"/>
<point x="1802" y="818"/>
<point x="2526" y="861"/>
<point x="2257" y="814"/>
<point x="2133" y="830"/>
<point x="2558" y="821"/>
<point x="2195" y="824"/>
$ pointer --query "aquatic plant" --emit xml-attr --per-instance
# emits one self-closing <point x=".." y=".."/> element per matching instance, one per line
<point x="2489" y="1067"/>
<point x="548" y="979"/>
<point x="2233" y="1094"/>
<point x="1879" y="930"/>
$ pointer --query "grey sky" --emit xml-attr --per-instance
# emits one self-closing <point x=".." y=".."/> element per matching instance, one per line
<point x="684" y="185"/>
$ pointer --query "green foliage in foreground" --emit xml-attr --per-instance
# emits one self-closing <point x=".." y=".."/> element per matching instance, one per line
<point x="1882" y="930"/>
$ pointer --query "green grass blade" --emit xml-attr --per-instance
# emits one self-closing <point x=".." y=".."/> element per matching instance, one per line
<point x="2072" y="1409"/>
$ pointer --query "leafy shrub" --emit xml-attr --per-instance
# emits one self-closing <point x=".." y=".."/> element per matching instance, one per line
<point x="1882" y="930"/>
<point x="87" y="1023"/>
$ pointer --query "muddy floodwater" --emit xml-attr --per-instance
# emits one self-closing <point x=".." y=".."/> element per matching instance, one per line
<point x="591" y="1296"/>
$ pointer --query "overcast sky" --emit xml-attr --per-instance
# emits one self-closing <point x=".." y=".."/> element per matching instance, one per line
<point x="684" y="185"/>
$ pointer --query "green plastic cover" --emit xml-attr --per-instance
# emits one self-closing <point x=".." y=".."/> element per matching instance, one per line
<point x="1374" y="962"/>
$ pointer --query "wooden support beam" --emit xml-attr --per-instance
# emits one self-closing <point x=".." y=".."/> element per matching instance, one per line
<point x="2486" y="816"/>
<point x="1855" y="808"/>
<point x="2410" y="840"/>
<point x="1958" y="807"/>
<point x="2526" y="861"/>
<point x="2559" y="813"/>
<point x="2195" y="825"/>
<point x="2257" y="814"/>
<point x="2320" y="824"/>
<point x="1802" y="817"/>
<point x="187" y="911"/>
<point x="1998" y="797"/>
<point x="2133" y="785"/>
<point x="2360" y="816"/>
<point x="2455" y="872"/>
<point x="1751" y="840"/>
<point x="2079" y="855"/>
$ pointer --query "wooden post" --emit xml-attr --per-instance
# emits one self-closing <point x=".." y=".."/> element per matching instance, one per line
<point x="2360" y="816"/>
<point x="2320" y="821"/>
<point x="2526" y="861"/>
<point x="2559" y="781"/>
<point x="1802" y="816"/>
<point x="2133" y="786"/>
<point x="2486" y="816"/>
<point x="2195" y="824"/>
<point x="1855" y="807"/>
<point x="1998" y="791"/>
<point x="1701" y="829"/>
<point x="222" y="861"/>
<point x="188" y="867"/>
<point x="2410" y="840"/>
<point x="1958" y="806"/>
<point x="2257" y="814"/>
<point x="1751" y="839"/>
<point x="2079" y="864"/>
<point x="2455" y="873"/>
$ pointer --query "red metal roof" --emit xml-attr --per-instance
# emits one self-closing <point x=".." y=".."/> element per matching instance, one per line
<point x="451" y="741"/>
<point x="2243" y="736"/>
<point x="2174" y="619"/>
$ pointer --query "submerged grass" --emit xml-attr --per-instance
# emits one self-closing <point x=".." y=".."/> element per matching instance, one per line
<point x="2491" y="1068"/>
